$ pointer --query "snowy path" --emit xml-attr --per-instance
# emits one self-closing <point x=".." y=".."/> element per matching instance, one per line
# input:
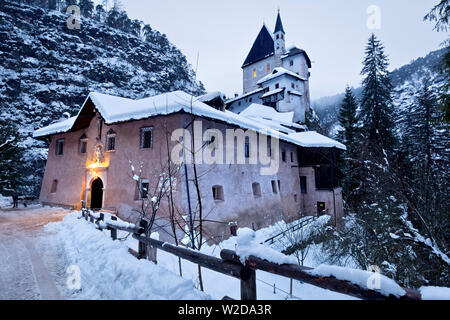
<point x="30" y="265"/>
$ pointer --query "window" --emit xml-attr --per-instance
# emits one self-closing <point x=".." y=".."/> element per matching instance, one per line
<point x="268" y="68"/>
<point x="146" y="137"/>
<point x="320" y="208"/>
<point x="59" y="149"/>
<point x="283" y="156"/>
<point x="143" y="188"/>
<point x="278" y="36"/>
<point x="254" y="73"/>
<point x="277" y="85"/>
<point x="54" y="186"/>
<point x="295" y="197"/>
<point x="291" y="62"/>
<point x="211" y="141"/>
<point x="293" y="85"/>
<point x="256" y="189"/>
<point x="251" y="99"/>
<point x="303" y="184"/>
<point x="217" y="192"/>
<point x="274" y="187"/>
<point x="247" y="147"/>
<point x="83" y="144"/>
<point x="279" y="185"/>
<point x="292" y="156"/>
<point x="111" y="140"/>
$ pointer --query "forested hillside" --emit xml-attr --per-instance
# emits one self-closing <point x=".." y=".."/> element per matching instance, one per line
<point x="48" y="69"/>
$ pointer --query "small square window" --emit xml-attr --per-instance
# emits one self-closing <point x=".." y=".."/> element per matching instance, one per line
<point x="59" y="149"/>
<point x="146" y="137"/>
<point x="256" y="189"/>
<point x="277" y="85"/>
<point x="54" y="186"/>
<point x="274" y="187"/>
<point x="83" y="146"/>
<point x="217" y="192"/>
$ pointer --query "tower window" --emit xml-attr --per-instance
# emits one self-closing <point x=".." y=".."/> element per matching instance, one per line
<point x="254" y="73"/>
<point x="247" y="147"/>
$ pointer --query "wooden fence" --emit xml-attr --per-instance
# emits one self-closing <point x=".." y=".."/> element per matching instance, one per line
<point x="229" y="264"/>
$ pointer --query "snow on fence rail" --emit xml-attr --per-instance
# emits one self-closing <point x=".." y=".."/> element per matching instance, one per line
<point x="230" y="264"/>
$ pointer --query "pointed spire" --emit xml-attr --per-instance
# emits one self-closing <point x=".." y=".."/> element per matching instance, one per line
<point x="278" y="24"/>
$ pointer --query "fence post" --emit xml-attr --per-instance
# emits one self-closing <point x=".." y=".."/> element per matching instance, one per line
<point x="248" y="283"/>
<point x="113" y="230"/>
<point x="142" y="249"/>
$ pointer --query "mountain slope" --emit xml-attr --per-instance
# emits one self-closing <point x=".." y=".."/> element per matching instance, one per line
<point x="47" y="69"/>
<point x="406" y="80"/>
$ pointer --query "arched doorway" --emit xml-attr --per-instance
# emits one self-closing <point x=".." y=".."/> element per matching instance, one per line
<point x="97" y="194"/>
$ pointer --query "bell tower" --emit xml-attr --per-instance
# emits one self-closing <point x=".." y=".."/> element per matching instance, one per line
<point x="279" y="36"/>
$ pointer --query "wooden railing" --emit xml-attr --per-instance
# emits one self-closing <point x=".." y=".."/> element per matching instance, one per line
<point x="230" y="264"/>
<point x="301" y="224"/>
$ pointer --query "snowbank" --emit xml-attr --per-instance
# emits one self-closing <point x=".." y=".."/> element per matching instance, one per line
<point x="435" y="293"/>
<point x="247" y="246"/>
<point x="5" y="201"/>
<point x="362" y="278"/>
<point x="108" y="271"/>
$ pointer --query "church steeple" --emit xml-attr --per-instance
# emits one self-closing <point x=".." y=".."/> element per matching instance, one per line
<point x="279" y="36"/>
<point x="279" y="24"/>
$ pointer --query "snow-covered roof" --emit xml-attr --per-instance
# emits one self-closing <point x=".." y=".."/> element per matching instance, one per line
<point x="115" y="109"/>
<point x="314" y="139"/>
<point x="244" y="95"/>
<point x="262" y="111"/>
<point x="57" y="127"/>
<point x="298" y="93"/>
<point x="210" y="96"/>
<point x="277" y="72"/>
<point x="272" y="92"/>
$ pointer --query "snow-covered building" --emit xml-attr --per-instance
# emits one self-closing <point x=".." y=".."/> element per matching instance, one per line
<point x="89" y="159"/>
<point x="275" y="76"/>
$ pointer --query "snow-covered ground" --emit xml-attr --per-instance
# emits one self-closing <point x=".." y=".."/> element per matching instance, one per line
<point x="50" y="253"/>
<point x="30" y="264"/>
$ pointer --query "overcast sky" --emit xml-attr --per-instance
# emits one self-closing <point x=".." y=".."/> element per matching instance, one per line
<point x="333" y="33"/>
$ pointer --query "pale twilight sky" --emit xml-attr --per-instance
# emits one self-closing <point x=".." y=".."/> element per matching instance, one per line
<point x="333" y="33"/>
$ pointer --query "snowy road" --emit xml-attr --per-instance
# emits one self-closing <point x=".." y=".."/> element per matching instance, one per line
<point x="31" y="265"/>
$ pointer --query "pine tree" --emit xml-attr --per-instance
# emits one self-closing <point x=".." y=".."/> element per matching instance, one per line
<point x="377" y="116"/>
<point x="349" y="136"/>
<point x="11" y="153"/>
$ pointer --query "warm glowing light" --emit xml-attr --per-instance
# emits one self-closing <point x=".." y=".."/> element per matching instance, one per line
<point x="95" y="165"/>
